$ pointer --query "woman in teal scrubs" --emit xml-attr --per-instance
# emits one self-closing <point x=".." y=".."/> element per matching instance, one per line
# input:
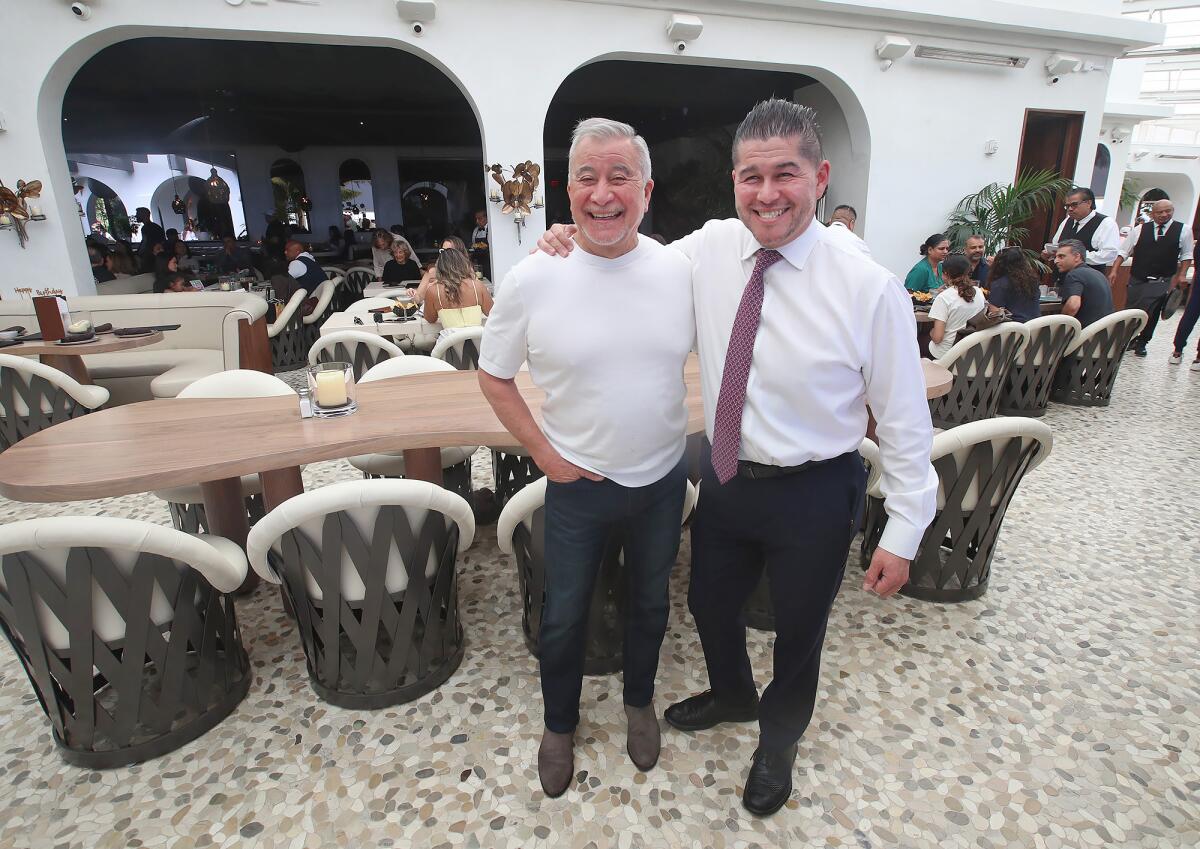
<point x="926" y="275"/>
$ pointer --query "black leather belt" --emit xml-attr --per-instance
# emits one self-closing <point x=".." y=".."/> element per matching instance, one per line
<point x="757" y="471"/>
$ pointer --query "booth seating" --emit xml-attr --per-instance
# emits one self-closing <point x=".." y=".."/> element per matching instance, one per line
<point x="209" y="338"/>
<point x="135" y="284"/>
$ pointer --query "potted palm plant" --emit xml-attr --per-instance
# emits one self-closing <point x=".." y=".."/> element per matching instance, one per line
<point x="1000" y="212"/>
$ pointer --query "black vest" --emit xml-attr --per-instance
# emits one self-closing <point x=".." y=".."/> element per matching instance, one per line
<point x="1157" y="257"/>
<point x="1084" y="233"/>
<point x="313" y="275"/>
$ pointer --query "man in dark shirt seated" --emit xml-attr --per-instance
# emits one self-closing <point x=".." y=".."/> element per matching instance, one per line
<point x="1084" y="291"/>
<point x="974" y="248"/>
<point x="233" y="257"/>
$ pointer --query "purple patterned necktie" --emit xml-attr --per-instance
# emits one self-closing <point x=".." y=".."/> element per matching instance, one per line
<point x="727" y="427"/>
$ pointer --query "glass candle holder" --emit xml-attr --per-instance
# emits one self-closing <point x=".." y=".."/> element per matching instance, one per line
<point x="331" y="387"/>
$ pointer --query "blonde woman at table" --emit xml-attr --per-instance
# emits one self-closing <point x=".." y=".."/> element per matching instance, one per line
<point x="926" y="275"/>
<point x="453" y="296"/>
<point x="957" y="304"/>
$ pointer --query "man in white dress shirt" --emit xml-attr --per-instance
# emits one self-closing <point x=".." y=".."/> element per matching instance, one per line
<point x="841" y="225"/>
<point x="1098" y="233"/>
<point x="798" y="333"/>
<point x="1162" y="254"/>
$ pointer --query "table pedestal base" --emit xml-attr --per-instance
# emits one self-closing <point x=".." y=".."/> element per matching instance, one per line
<point x="226" y="512"/>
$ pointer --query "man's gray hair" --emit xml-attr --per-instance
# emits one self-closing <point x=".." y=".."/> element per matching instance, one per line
<point x="1076" y="247"/>
<point x="606" y="129"/>
<point x="777" y="118"/>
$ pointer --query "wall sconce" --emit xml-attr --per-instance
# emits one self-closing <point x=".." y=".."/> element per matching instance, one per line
<point x="890" y="48"/>
<point x="991" y="147"/>
<point x="518" y="195"/>
<point x="14" y="211"/>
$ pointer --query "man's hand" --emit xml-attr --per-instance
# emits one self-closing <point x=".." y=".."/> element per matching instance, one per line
<point x="558" y="240"/>
<point x="562" y="471"/>
<point x="1112" y="275"/>
<point x="888" y="573"/>
<point x="1177" y="281"/>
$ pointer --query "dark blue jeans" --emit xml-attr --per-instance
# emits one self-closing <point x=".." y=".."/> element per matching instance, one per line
<point x="580" y="516"/>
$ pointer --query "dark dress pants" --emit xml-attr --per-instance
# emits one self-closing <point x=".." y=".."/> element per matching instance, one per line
<point x="580" y="516"/>
<point x="1149" y="296"/>
<point x="799" y="528"/>
<point x="1186" y="324"/>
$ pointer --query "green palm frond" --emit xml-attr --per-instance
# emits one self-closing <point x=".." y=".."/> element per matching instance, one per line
<point x="998" y="212"/>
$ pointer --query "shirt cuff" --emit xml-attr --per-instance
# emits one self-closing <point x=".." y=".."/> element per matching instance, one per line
<point x="900" y="538"/>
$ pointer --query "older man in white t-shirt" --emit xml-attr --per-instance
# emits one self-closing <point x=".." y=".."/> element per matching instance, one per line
<point x="613" y="422"/>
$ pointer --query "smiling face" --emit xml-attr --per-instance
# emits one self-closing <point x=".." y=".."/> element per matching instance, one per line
<point x="399" y="251"/>
<point x="608" y="195"/>
<point x="776" y="189"/>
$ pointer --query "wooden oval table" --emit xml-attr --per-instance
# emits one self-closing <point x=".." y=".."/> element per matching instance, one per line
<point x="150" y="445"/>
<point x="69" y="358"/>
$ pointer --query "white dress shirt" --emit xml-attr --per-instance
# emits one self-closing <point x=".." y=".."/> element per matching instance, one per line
<point x="1107" y="239"/>
<point x="1186" y="242"/>
<point x="836" y="334"/>
<point x="838" y="230"/>
<point x="296" y="269"/>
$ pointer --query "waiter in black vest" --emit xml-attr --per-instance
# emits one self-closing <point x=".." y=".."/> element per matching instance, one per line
<point x="1162" y="253"/>
<point x="1098" y="232"/>
<point x="304" y="270"/>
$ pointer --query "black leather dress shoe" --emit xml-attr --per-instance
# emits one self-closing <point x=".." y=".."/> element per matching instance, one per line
<point x="704" y="711"/>
<point x="770" y="781"/>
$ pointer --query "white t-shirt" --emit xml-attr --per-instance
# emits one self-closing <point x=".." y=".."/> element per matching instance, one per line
<point x="949" y="307"/>
<point x="606" y="339"/>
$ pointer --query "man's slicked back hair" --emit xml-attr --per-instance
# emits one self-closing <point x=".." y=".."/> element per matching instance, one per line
<point x="777" y="118"/>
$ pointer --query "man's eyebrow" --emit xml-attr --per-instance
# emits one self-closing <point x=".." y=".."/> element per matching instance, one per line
<point x="753" y="168"/>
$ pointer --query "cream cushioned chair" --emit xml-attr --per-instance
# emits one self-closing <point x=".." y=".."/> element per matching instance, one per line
<point x="186" y="503"/>
<point x="456" y="461"/>
<point x="34" y="396"/>
<point x="361" y="349"/>
<point x="369" y="569"/>
<point x="1027" y="388"/>
<point x="980" y="363"/>
<point x="125" y="631"/>
<point x="1089" y="366"/>
<point x="459" y="347"/>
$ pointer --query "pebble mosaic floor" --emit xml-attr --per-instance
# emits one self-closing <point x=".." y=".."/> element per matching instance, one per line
<point x="1061" y="710"/>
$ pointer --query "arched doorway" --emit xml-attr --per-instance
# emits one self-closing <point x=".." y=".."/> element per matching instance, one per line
<point x="688" y="114"/>
<point x="292" y="204"/>
<point x="358" y="201"/>
<point x="104" y="211"/>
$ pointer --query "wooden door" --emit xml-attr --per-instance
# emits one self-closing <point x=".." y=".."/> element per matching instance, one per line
<point x="1049" y="141"/>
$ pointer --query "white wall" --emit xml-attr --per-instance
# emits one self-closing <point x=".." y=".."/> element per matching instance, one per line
<point x="925" y="122"/>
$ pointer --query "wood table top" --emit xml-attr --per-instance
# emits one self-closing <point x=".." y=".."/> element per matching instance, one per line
<point x="103" y="344"/>
<point x="174" y="442"/>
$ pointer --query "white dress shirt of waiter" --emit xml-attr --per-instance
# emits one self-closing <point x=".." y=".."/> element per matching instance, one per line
<point x="1080" y="206"/>
<point x="613" y="423"/>
<point x="834" y="334"/>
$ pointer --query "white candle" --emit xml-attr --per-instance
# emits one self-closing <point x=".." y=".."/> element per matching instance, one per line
<point x="331" y="389"/>
<point x="35" y="211"/>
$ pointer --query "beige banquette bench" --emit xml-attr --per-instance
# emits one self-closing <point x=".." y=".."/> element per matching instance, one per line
<point x="137" y="284"/>
<point x="209" y="339"/>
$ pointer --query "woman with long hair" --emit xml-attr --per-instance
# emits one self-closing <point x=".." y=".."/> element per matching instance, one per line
<point x="1013" y="284"/>
<point x="926" y="275"/>
<point x="453" y="296"/>
<point x="954" y="306"/>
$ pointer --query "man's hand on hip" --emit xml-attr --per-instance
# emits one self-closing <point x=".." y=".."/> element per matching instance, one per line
<point x="887" y="574"/>
<point x="558" y="240"/>
<point x="562" y="471"/>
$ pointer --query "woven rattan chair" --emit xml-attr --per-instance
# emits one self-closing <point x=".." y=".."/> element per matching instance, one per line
<point x="186" y="503"/>
<point x="1027" y="389"/>
<point x="34" y="396"/>
<point x="980" y="364"/>
<point x="357" y="279"/>
<point x="979" y="467"/>
<point x="369" y="569"/>
<point x="456" y="460"/>
<point x="1089" y="366"/>
<point x="361" y="350"/>
<point x="459" y="347"/>
<point x="125" y="631"/>
<point x="520" y="532"/>
<point x="286" y="333"/>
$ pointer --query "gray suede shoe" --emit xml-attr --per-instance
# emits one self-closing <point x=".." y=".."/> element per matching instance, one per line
<point x="643" y="741"/>
<point x="556" y="762"/>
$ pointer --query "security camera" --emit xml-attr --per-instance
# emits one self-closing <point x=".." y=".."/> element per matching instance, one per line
<point x="680" y="46"/>
<point x="1052" y="80"/>
<point x="418" y="28"/>
<point x="81" y="10"/>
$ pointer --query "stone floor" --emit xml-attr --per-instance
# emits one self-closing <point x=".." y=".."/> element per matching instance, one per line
<point x="1060" y="710"/>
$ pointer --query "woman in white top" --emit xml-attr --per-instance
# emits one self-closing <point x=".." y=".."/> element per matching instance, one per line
<point x="954" y="306"/>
